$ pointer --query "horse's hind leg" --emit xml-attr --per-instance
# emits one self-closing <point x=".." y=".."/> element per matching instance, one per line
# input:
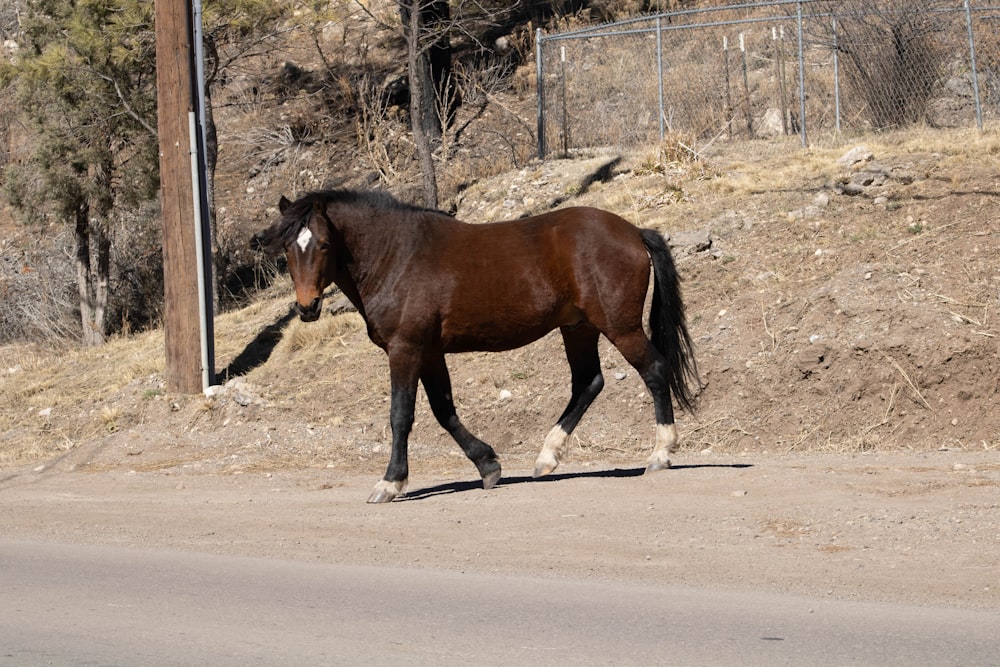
<point x="585" y="366"/>
<point x="437" y="384"/>
<point x="652" y="367"/>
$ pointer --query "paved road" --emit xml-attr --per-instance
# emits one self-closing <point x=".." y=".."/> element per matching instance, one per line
<point x="76" y="605"/>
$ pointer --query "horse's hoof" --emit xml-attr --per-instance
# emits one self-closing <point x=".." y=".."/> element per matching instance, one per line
<point x="544" y="464"/>
<point x="386" y="492"/>
<point x="381" y="496"/>
<point x="490" y="480"/>
<point x="657" y="465"/>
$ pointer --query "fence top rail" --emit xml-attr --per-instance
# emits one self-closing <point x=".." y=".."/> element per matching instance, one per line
<point x="620" y="28"/>
<point x="669" y="28"/>
<point x="587" y="32"/>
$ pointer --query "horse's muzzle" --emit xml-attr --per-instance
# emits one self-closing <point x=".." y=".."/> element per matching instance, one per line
<point x="311" y="312"/>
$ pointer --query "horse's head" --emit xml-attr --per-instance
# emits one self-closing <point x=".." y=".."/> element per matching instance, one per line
<point x="304" y="234"/>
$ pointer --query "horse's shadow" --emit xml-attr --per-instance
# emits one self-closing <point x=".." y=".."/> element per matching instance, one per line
<point x="463" y="486"/>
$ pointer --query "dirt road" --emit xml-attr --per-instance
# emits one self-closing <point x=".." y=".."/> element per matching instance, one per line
<point x="75" y="604"/>
<point x="913" y="528"/>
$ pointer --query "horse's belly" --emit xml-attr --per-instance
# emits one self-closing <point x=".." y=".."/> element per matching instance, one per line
<point x="496" y="339"/>
<point x="503" y="331"/>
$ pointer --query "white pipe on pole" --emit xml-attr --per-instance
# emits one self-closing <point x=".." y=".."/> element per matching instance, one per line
<point x="203" y="305"/>
<point x="199" y="180"/>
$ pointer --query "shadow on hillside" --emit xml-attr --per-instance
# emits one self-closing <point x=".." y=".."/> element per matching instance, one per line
<point x="477" y="485"/>
<point x="602" y="174"/>
<point x="259" y="350"/>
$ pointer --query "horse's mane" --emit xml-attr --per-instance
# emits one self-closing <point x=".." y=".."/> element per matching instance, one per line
<point x="284" y="232"/>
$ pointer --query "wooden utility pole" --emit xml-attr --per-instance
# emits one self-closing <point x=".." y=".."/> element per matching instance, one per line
<point x="183" y="272"/>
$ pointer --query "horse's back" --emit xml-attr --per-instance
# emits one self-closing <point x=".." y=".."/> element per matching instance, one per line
<point x="548" y="237"/>
<point x="502" y="285"/>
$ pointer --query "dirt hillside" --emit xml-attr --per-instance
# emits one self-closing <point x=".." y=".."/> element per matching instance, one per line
<point x="828" y="316"/>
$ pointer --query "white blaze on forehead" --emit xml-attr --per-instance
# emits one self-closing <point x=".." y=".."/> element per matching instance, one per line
<point x="305" y="236"/>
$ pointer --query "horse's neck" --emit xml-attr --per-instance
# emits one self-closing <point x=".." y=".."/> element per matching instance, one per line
<point x="375" y="245"/>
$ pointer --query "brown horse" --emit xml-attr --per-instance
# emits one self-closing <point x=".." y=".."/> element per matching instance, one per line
<point x="427" y="284"/>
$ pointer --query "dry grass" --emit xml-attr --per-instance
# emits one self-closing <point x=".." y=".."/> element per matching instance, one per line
<point x="55" y="398"/>
<point x="302" y="340"/>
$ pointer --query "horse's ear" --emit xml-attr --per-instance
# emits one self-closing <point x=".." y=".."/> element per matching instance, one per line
<point x="283" y="204"/>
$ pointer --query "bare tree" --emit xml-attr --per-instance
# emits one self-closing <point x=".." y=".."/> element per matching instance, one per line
<point x="428" y="27"/>
<point x="428" y="58"/>
<point x="894" y="53"/>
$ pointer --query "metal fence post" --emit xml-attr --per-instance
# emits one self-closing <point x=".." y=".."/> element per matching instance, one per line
<point x="659" y="76"/>
<point x="778" y="39"/>
<point x="836" y="76"/>
<point x="565" y="106"/>
<point x="972" y="63"/>
<point x="730" y="115"/>
<point x="746" y="86"/>
<point x="540" y="93"/>
<point x="802" y="80"/>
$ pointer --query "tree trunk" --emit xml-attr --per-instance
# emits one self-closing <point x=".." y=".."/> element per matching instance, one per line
<point x="420" y="85"/>
<point x="101" y="282"/>
<point x="426" y="23"/>
<point x="93" y="292"/>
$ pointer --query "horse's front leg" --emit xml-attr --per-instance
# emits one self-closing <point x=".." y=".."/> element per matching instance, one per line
<point x="404" y="371"/>
<point x="437" y="384"/>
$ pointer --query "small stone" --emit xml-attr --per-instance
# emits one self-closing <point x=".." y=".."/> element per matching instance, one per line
<point x="855" y="155"/>
<point x="692" y="242"/>
<point x="505" y="395"/>
<point x="242" y="398"/>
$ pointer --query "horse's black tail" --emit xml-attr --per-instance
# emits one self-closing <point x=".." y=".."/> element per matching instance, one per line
<point x="667" y="322"/>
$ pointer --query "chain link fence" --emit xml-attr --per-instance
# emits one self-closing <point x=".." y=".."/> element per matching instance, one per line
<point x="812" y="70"/>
